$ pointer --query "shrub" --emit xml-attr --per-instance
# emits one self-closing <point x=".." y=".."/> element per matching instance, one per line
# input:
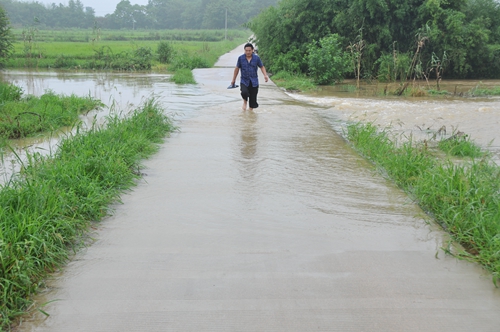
<point x="165" y="52"/>
<point x="327" y="62"/>
<point x="142" y="58"/>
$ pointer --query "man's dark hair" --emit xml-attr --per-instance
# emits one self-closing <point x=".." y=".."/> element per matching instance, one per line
<point x="248" y="45"/>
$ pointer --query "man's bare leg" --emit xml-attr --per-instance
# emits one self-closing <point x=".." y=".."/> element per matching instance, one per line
<point x="244" y="107"/>
<point x="250" y="109"/>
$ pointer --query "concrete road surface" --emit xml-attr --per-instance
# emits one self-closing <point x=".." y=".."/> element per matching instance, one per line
<point x="265" y="221"/>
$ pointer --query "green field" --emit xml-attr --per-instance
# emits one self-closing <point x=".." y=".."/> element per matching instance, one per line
<point x="118" y="50"/>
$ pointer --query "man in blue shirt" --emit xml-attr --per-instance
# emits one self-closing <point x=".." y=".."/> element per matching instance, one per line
<point x="248" y="63"/>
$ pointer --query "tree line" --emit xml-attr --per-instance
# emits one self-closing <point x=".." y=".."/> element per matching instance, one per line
<point x="157" y="14"/>
<point x="383" y="39"/>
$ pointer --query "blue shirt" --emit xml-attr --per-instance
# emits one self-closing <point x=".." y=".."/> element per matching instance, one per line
<point x="249" y="69"/>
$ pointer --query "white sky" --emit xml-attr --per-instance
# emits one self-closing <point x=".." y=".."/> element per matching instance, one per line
<point x="101" y="7"/>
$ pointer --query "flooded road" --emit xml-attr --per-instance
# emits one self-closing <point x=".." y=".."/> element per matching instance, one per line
<point x="417" y="117"/>
<point x="265" y="221"/>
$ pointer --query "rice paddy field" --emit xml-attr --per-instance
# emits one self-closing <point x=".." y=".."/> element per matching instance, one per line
<point x="117" y="49"/>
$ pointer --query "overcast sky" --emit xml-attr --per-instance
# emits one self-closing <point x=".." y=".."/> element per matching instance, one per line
<point x="102" y="7"/>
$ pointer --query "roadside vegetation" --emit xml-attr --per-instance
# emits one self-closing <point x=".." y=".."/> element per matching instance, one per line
<point x="461" y="193"/>
<point x="402" y="42"/>
<point x="47" y="209"/>
<point x="24" y="116"/>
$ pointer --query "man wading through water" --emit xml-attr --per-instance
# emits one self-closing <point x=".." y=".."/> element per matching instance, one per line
<point x="248" y="63"/>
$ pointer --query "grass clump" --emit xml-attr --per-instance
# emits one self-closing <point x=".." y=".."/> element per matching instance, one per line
<point x="46" y="210"/>
<point x="483" y="91"/>
<point x="460" y="145"/>
<point x="24" y="116"/>
<point x="293" y="82"/>
<point x="463" y="197"/>
<point x="183" y="76"/>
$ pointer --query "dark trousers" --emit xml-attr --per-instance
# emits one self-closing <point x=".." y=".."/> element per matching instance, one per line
<point x="249" y="93"/>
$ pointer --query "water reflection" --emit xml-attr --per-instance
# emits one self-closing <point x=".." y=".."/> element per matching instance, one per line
<point x="249" y="135"/>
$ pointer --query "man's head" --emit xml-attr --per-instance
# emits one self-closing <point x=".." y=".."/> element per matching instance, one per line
<point x="248" y="49"/>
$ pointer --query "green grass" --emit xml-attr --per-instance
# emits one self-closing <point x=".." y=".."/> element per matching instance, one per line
<point x="433" y="92"/>
<point x="484" y="91"/>
<point x="88" y="35"/>
<point x="463" y="197"/>
<point x="25" y="116"/>
<point x="135" y="51"/>
<point x="183" y="76"/>
<point x="460" y="146"/>
<point x="46" y="211"/>
<point x="293" y="82"/>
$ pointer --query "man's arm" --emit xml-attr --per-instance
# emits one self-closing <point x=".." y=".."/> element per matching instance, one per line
<point x="266" y="78"/>
<point x="236" y="71"/>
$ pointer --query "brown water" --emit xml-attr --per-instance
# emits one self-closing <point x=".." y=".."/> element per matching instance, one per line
<point x="418" y="117"/>
<point x="120" y="92"/>
<point x="266" y="221"/>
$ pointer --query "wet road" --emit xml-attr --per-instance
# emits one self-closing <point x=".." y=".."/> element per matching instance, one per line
<point x="265" y="221"/>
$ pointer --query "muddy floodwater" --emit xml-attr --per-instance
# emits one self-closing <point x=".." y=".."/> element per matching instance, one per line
<point x="267" y="220"/>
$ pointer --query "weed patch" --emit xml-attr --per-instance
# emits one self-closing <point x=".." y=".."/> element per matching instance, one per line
<point x="23" y="117"/>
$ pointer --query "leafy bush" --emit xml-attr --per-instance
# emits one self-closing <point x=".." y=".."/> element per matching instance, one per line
<point x="291" y="62"/>
<point x="328" y="62"/>
<point x="142" y="58"/>
<point x="165" y="52"/>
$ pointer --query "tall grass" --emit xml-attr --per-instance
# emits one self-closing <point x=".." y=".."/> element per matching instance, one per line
<point x="24" y="116"/>
<point x="463" y="197"/>
<point x="46" y="210"/>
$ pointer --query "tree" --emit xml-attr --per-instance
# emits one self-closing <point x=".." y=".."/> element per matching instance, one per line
<point x="6" y="37"/>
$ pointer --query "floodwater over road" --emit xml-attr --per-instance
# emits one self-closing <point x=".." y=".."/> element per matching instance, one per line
<point x="262" y="221"/>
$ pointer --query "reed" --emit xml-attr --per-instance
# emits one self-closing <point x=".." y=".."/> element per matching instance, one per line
<point x="462" y="195"/>
<point x="46" y="210"/>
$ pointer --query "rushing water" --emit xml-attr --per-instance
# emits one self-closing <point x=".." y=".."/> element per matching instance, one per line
<point x="120" y="92"/>
<point x="266" y="220"/>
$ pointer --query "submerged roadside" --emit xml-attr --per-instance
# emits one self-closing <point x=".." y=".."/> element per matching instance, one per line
<point x="46" y="210"/>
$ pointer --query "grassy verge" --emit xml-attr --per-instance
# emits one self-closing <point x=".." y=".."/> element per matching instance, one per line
<point x="293" y="82"/>
<point x="46" y="210"/>
<point x="462" y="195"/>
<point x="25" y="116"/>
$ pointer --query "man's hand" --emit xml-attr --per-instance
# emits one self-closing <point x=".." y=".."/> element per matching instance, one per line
<point x="266" y="78"/>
